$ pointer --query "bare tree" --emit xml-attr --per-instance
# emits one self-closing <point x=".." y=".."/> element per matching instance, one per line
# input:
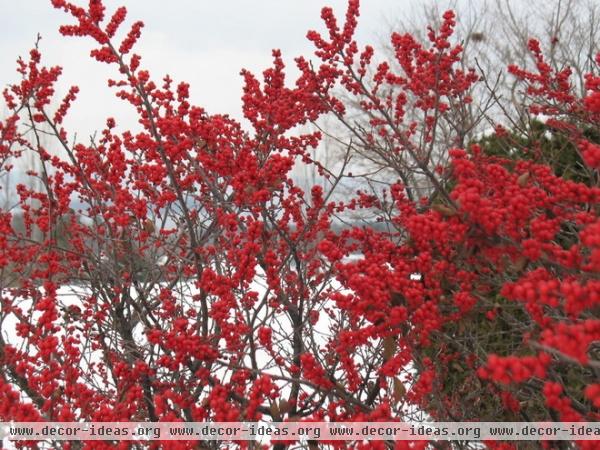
<point x="494" y="34"/>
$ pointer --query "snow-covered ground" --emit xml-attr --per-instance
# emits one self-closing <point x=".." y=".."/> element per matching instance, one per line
<point x="77" y="295"/>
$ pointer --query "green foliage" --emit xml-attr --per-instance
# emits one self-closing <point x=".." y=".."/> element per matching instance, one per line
<point x="544" y="144"/>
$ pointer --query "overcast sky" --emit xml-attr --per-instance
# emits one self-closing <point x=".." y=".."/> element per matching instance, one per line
<point x="203" y="42"/>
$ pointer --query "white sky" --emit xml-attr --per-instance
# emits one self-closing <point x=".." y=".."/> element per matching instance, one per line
<point x="203" y="42"/>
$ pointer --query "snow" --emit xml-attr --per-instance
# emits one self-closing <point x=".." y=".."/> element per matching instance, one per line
<point x="75" y="295"/>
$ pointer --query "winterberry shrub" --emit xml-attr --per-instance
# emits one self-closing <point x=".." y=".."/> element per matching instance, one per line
<point x="197" y="281"/>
